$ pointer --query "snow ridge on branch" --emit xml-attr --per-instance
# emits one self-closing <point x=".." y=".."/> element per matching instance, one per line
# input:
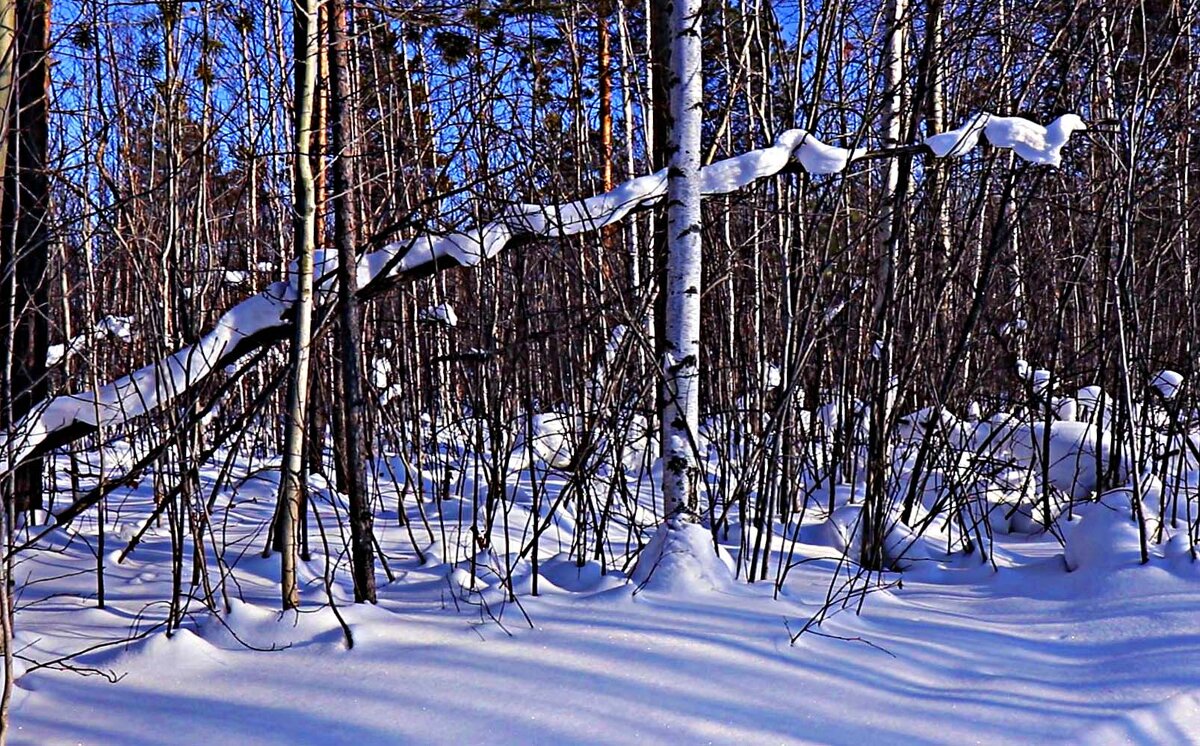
<point x="264" y="318"/>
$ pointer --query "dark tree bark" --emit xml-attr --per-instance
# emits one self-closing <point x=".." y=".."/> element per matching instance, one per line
<point x="345" y="229"/>
<point x="25" y="240"/>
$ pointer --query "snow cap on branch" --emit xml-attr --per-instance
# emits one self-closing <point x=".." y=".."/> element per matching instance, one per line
<point x="1167" y="383"/>
<point x="1029" y="140"/>
<point x="957" y="142"/>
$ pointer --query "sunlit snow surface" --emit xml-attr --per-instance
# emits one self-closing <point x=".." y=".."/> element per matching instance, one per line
<point x="1030" y="653"/>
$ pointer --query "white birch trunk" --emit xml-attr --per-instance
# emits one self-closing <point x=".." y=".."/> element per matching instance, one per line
<point x="290" y="493"/>
<point x="873" y="517"/>
<point x="681" y="363"/>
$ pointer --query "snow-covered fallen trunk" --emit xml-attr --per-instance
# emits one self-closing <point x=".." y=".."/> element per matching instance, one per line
<point x="256" y="321"/>
<point x="265" y="318"/>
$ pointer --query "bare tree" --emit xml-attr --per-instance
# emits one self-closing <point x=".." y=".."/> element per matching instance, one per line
<point x="292" y="485"/>
<point x="345" y="213"/>
<point x="681" y="324"/>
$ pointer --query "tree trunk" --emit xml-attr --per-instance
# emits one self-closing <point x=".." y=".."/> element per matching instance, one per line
<point x="292" y="484"/>
<point x="875" y="508"/>
<point x="25" y="233"/>
<point x="681" y="343"/>
<point x="8" y="48"/>
<point x="346" y="237"/>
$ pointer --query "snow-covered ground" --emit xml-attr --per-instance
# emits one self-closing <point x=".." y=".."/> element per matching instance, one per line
<point x="955" y="653"/>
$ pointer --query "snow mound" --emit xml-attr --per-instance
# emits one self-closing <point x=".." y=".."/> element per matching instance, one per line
<point x="564" y="572"/>
<point x="183" y="651"/>
<point x="682" y="560"/>
<point x="988" y="503"/>
<point x="1030" y="515"/>
<point x="1099" y="537"/>
<point x="1091" y="401"/>
<point x="551" y="440"/>
<point x="1074" y="449"/>
<point x="1178" y="551"/>
<point x="1065" y="408"/>
<point x="902" y="548"/>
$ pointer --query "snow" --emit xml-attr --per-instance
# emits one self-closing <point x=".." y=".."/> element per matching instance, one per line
<point x="56" y="353"/>
<point x="720" y="177"/>
<point x="474" y="245"/>
<point x="1041" y="381"/>
<point x="843" y="532"/>
<point x="153" y="385"/>
<point x="958" y="142"/>
<point x="549" y="437"/>
<point x="1065" y="408"/>
<point x="443" y="314"/>
<point x="1030" y="141"/>
<point x="1089" y="400"/>
<point x="162" y="381"/>
<point x="772" y="375"/>
<point x="1073" y="448"/>
<point x="815" y="156"/>
<point x="1167" y="383"/>
<point x="960" y="653"/>
<point x="381" y="372"/>
<point x="1012" y="327"/>
<point x="1173" y="720"/>
<point x="120" y="327"/>
<point x="681" y="560"/>
<point x="1100" y="537"/>
<point x="1039" y="642"/>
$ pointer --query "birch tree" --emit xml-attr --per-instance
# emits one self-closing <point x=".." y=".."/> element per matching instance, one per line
<point x="681" y="343"/>
<point x="875" y="510"/>
<point x="292" y="484"/>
